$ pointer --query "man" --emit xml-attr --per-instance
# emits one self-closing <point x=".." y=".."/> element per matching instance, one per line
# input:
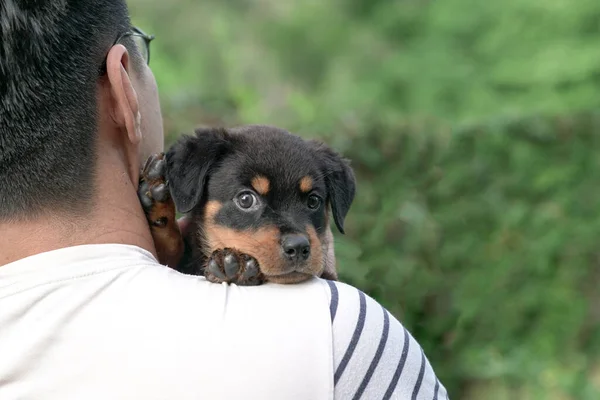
<point x="86" y="311"/>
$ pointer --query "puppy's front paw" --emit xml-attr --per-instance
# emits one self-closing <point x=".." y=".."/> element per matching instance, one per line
<point x="160" y="211"/>
<point x="231" y="266"/>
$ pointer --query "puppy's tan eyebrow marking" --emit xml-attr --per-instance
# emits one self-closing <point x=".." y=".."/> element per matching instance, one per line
<point x="306" y="184"/>
<point x="211" y="209"/>
<point x="261" y="184"/>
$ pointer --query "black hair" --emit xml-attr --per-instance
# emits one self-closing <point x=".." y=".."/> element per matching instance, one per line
<point x="51" y="52"/>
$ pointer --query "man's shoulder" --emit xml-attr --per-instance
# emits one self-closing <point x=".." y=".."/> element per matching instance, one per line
<point x="146" y="326"/>
<point x="267" y="335"/>
<point x="269" y="314"/>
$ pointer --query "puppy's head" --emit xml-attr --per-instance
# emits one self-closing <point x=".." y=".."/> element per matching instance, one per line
<point x="266" y="193"/>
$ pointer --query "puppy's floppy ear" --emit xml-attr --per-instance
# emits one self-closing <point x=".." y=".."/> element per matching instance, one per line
<point x="339" y="179"/>
<point x="189" y="162"/>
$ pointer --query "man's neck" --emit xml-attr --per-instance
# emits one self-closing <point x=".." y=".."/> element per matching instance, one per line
<point x="117" y="220"/>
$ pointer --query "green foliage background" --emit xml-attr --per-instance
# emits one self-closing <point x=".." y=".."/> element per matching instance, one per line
<point x="473" y="130"/>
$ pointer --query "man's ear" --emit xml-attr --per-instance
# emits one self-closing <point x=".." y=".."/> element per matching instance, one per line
<point x="339" y="179"/>
<point x="125" y="110"/>
<point x="189" y="162"/>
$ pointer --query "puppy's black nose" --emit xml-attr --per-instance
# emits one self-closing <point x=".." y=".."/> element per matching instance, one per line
<point x="295" y="247"/>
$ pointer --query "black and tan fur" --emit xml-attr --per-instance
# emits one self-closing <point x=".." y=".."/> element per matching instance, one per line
<point x="259" y="201"/>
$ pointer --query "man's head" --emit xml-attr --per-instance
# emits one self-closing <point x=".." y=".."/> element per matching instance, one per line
<point x="75" y="92"/>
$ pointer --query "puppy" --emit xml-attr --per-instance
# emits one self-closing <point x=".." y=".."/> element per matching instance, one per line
<point x="258" y="200"/>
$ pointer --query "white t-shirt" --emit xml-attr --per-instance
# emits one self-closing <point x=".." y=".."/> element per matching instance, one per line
<point x="110" y="322"/>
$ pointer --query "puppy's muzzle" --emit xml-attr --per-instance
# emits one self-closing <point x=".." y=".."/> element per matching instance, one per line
<point x="295" y="247"/>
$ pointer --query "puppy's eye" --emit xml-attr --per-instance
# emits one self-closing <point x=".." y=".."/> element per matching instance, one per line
<point x="246" y="200"/>
<point x="314" y="202"/>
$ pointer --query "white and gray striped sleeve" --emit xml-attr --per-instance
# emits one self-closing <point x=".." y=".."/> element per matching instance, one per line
<point x="375" y="357"/>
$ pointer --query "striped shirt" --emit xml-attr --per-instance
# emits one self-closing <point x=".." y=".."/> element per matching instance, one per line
<point x="375" y="357"/>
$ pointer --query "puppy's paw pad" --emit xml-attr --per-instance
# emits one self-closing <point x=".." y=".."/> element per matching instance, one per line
<point x="231" y="266"/>
<point x="251" y="269"/>
<point x="155" y="167"/>
<point x="214" y="273"/>
<point x="160" y="192"/>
